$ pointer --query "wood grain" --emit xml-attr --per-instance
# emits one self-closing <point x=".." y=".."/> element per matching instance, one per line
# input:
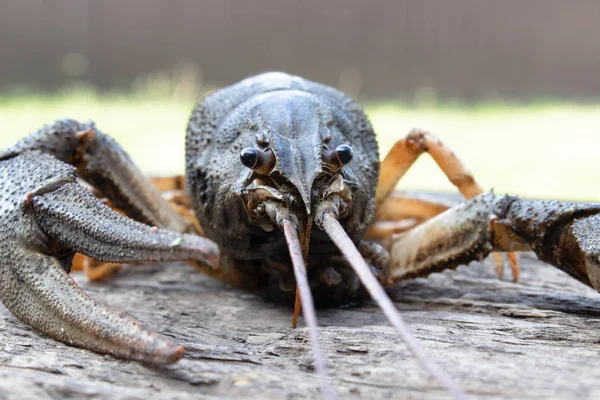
<point x="537" y="339"/>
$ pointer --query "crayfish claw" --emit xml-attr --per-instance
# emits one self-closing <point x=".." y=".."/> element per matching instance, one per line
<point x="577" y="250"/>
<point x="563" y="234"/>
<point x="38" y="291"/>
<point x="45" y="217"/>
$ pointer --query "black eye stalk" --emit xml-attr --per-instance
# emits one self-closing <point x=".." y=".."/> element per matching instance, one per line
<point x="257" y="160"/>
<point x="249" y="157"/>
<point x="339" y="157"/>
<point x="344" y="153"/>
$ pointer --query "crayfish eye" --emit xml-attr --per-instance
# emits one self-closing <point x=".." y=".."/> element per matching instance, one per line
<point x="249" y="157"/>
<point x="344" y="153"/>
<point x="261" y="162"/>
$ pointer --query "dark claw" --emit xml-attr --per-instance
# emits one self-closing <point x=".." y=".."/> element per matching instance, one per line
<point x="583" y="238"/>
<point x="45" y="217"/>
<point x="565" y="235"/>
<point x="101" y="161"/>
<point x="73" y="217"/>
<point x="40" y="293"/>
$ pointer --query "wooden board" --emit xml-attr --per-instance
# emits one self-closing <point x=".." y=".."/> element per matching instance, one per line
<point x="537" y="339"/>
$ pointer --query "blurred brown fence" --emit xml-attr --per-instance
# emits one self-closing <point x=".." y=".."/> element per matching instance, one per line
<point x="378" y="48"/>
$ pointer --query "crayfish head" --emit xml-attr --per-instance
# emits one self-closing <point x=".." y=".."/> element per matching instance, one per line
<point x="297" y="148"/>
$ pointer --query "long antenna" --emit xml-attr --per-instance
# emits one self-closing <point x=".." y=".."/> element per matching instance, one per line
<point x="308" y="307"/>
<point x="336" y="232"/>
<point x="297" y="308"/>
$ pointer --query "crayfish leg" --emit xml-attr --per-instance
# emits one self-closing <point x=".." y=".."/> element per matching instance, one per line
<point x="94" y="270"/>
<point x="401" y="211"/>
<point x="75" y="218"/>
<point x="455" y="237"/>
<point x="399" y="160"/>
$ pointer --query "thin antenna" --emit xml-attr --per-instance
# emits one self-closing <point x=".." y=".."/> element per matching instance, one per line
<point x="336" y="232"/>
<point x="297" y="308"/>
<point x="308" y="307"/>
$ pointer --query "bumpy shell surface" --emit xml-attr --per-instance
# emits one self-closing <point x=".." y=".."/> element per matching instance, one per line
<point x="295" y="116"/>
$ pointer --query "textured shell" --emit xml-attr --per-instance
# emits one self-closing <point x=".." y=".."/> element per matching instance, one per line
<point x="19" y="176"/>
<point x="221" y="126"/>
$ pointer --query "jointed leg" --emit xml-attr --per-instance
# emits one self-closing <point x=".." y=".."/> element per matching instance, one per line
<point x="399" y="204"/>
<point x="401" y="211"/>
<point x="94" y="270"/>
<point x="382" y="230"/>
<point x="406" y="151"/>
<point x="403" y="155"/>
<point x="38" y="291"/>
<point x="174" y="191"/>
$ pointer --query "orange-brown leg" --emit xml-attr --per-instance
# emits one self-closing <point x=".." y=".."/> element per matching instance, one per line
<point x="381" y="230"/>
<point x="399" y="204"/>
<point x="401" y="211"/>
<point x="93" y="269"/>
<point x="406" y="151"/>
<point x="404" y="154"/>
<point x="168" y="183"/>
<point x="174" y="191"/>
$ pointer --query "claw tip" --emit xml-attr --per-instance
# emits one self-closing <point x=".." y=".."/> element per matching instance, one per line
<point x="170" y="355"/>
<point x="213" y="260"/>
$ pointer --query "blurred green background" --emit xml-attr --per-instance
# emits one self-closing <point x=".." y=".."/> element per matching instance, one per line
<point x="512" y="87"/>
<point x="546" y="150"/>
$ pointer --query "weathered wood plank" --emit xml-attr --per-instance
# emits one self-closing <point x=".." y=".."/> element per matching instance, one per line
<point x="537" y="339"/>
